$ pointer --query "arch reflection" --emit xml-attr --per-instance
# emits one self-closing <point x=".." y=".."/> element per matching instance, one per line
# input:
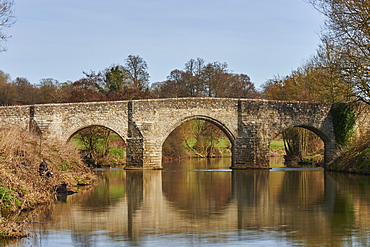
<point x="309" y="207"/>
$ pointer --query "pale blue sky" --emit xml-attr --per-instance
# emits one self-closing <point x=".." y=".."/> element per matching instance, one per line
<point x="62" y="38"/>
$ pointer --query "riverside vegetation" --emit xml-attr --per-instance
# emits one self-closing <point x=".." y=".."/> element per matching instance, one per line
<point x="355" y="157"/>
<point x="22" y="188"/>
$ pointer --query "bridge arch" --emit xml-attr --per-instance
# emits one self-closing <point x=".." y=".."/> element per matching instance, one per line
<point x="329" y="143"/>
<point x="216" y="122"/>
<point x="75" y="130"/>
<point x="324" y="136"/>
<point x="99" y="145"/>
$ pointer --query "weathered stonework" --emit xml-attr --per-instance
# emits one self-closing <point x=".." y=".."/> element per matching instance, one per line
<point x="362" y="113"/>
<point x="145" y="124"/>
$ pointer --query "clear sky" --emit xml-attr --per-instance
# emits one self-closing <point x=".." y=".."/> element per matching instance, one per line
<point x="62" y="38"/>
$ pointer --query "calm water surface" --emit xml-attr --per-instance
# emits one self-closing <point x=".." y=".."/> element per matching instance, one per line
<point x="201" y="202"/>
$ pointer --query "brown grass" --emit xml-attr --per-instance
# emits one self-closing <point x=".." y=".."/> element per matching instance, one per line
<point x="356" y="158"/>
<point x="21" y="186"/>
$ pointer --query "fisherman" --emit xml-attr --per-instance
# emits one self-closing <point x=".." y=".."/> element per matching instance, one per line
<point x="44" y="170"/>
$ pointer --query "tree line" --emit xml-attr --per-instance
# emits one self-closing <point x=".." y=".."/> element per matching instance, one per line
<point x="339" y="71"/>
<point x="130" y="81"/>
<point x="199" y="78"/>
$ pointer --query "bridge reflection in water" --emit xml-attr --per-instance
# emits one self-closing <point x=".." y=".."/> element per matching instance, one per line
<point x="203" y="204"/>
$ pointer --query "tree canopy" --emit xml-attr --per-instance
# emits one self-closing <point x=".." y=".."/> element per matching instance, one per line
<point x="199" y="78"/>
<point x="347" y="30"/>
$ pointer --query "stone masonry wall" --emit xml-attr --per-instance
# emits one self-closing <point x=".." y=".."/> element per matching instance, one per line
<point x="154" y="119"/>
<point x="145" y="124"/>
<point x="362" y="112"/>
<point x="262" y="120"/>
<point x="61" y="121"/>
<point x="15" y="116"/>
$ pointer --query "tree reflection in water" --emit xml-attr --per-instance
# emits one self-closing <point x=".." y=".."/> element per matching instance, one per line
<point x="205" y="203"/>
<point x="198" y="189"/>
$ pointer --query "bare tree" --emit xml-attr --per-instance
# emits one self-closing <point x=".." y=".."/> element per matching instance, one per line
<point x="8" y="93"/>
<point x="6" y="20"/>
<point x="27" y="93"/>
<point x="348" y="27"/>
<point x="205" y="80"/>
<point x="137" y="71"/>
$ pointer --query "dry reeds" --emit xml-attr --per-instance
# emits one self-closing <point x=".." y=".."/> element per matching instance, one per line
<point x="356" y="158"/>
<point x="21" y="185"/>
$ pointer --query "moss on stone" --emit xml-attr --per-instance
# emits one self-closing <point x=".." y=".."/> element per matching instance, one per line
<point x="344" y="120"/>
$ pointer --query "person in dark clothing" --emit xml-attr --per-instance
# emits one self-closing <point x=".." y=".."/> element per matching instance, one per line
<point x="44" y="170"/>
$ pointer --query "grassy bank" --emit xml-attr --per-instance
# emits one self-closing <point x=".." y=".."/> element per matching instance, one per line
<point x="277" y="148"/>
<point x="103" y="151"/>
<point x="355" y="158"/>
<point x="22" y="188"/>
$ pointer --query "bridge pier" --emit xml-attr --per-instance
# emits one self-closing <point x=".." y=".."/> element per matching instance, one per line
<point x="134" y="153"/>
<point x="250" y="149"/>
<point x="331" y="152"/>
<point x="248" y="153"/>
<point x="143" y="154"/>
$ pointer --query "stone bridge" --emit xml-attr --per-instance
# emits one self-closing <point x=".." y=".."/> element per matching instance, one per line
<point x="144" y="125"/>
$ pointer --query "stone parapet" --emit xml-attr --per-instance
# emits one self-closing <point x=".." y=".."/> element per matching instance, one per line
<point x="144" y="125"/>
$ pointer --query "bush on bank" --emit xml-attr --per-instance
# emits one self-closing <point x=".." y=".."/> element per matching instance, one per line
<point x="22" y="188"/>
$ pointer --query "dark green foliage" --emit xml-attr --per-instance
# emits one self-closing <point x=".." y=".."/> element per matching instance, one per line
<point x="115" y="79"/>
<point x="344" y="120"/>
<point x="355" y="158"/>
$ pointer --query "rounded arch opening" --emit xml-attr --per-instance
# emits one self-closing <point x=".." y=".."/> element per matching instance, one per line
<point x="217" y="123"/>
<point x="298" y="146"/>
<point x="197" y="137"/>
<point x="100" y="146"/>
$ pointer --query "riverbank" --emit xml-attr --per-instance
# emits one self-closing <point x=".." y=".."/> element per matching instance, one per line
<point x="355" y="158"/>
<point x="23" y="186"/>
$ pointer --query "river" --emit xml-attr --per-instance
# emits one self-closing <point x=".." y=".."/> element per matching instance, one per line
<point x="203" y="203"/>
